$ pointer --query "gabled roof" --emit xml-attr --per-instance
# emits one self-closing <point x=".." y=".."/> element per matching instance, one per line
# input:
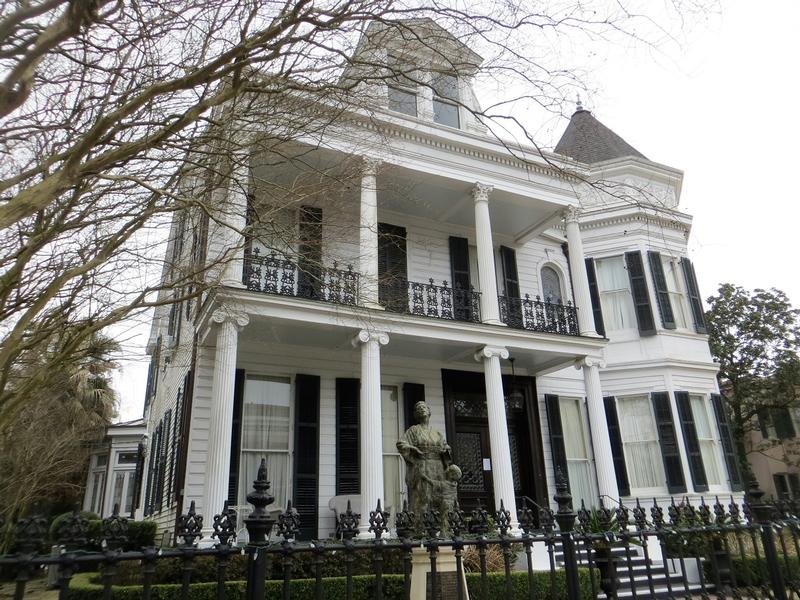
<point x="587" y="140"/>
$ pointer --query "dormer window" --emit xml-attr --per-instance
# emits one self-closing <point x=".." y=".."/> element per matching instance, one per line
<point x="402" y="89"/>
<point x="445" y="99"/>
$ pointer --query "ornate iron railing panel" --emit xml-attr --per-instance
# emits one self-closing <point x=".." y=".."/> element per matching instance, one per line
<point x="431" y="300"/>
<point x="275" y="274"/>
<point x="537" y="315"/>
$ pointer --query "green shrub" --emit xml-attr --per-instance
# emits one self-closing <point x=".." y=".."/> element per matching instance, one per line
<point x="496" y="585"/>
<point x="140" y="534"/>
<point x="56" y="522"/>
<point x="752" y="571"/>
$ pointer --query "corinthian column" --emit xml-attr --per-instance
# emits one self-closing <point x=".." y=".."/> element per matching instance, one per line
<point x="368" y="234"/>
<point x="580" y="280"/>
<point x="490" y="311"/>
<point x="229" y="323"/>
<point x="601" y="442"/>
<point x="502" y="472"/>
<point x="370" y="425"/>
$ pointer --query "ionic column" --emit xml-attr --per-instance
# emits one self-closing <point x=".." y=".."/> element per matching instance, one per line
<point x="601" y="443"/>
<point x="580" y="280"/>
<point x="368" y="234"/>
<point x="370" y="425"/>
<point x="502" y="472"/>
<point x="222" y="388"/>
<point x="490" y="311"/>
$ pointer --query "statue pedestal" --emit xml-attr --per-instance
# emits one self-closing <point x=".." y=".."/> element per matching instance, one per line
<point x="446" y="575"/>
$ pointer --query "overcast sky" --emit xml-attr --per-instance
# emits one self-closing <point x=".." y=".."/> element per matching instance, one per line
<point x="721" y="107"/>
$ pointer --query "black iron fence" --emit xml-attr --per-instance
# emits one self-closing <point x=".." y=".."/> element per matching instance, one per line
<point x="275" y="274"/>
<point x="536" y="315"/>
<point x="431" y="300"/>
<point x="681" y="550"/>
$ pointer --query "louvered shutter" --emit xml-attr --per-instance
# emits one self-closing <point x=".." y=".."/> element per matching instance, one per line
<point x="782" y="420"/>
<point x="151" y="465"/>
<point x="392" y="267"/>
<point x="348" y="467"/>
<point x="163" y="483"/>
<point x="459" y="271"/>
<point x="306" y="454"/>
<point x="594" y="295"/>
<point x="726" y="439"/>
<point x="676" y="483"/>
<point x="617" y="449"/>
<point x="138" y="478"/>
<point x="693" y="292"/>
<point x="309" y="260"/>
<point x="172" y="422"/>
<point x="693" y="453"/>
<point x="640" y="293"/>
<point x="508" y="259"/>
<point x="557" y="449"/>
<point x="412" y="393"/>
<point x="236" y="437"/>
<point x="662" y="291"/>
<point x="183" y="430"/>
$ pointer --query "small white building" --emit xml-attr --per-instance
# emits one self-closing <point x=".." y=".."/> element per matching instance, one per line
<point x="421" y="277"/>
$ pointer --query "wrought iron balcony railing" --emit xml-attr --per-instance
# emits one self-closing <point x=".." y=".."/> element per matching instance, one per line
<point x="536" y="315"/>
<point x="431" y="300"/>
<point x="275" y="274"/>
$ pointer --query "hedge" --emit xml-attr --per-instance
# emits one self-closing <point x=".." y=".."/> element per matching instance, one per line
<point x="85" y="586"/>
<point x="140" y="534"/>
<point x="752" y="571"/>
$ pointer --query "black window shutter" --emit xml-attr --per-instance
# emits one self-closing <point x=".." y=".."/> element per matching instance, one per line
<point x="236" y="437"/>
<point x="641" y="295"/>
<point x="459" y="270"/>
<point x="694" y="295"/>
<point x="781" y="485"/>
<point x="173" y="450"/>
<point x="794" y="484"/>
<point x="726" y="438"/>
<point x="617" y="451"/>
<point x="138" y="477"/>
<point x="696" y="467"/>
<point x="163" y="486"/>
<point x="782" y="420"/>
<point x="348" y="466"/>
<point x="148" y="492"/>
<point x="309" y="261"/>
<point x="557" y="449"/>
<point x="676" y="483"/>
<point x="392" y="267"/>
<point x="508" y="259"/>
<point x="662" y="291"/>
<point x="306" y="454"/>
<point x="412" y="393"/>
<point x="594" y="294"/>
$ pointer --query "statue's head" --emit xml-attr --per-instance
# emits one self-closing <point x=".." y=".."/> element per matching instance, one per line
<point x="452" y="473"/>
<point x="421" y="411"/>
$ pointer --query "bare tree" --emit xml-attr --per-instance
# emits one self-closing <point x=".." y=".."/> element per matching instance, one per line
<point x="113" y="116"/>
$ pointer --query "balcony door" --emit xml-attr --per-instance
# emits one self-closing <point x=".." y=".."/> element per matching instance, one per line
<point x="468" y="435"/>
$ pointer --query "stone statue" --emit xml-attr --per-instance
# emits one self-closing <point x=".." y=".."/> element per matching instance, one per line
<point x="431" y="476"/>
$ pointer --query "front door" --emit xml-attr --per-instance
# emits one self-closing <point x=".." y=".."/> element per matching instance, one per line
<point x="468" y="435"/>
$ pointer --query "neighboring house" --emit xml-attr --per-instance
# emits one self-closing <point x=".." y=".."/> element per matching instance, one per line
<point x="113" y="467"/>
<point x="773" y="451"/>
<point x="448" y="256"/>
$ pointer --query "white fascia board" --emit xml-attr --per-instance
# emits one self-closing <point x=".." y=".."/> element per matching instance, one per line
<point x="661" y="364"/>
<point x="639" y="167"/>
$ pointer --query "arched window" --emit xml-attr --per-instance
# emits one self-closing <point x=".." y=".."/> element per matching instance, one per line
<point x="551" y="285"/>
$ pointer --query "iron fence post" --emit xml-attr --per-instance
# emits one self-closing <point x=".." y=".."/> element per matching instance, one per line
<point x="565" y="517"/>
<point x="258" y="525"/>
<point x="763" y="516"/>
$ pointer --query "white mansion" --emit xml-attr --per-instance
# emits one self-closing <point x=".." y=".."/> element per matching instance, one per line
<point x="548" y="322"/>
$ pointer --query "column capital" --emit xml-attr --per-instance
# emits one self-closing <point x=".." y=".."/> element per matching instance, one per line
<point x="491" y="351"/>
<point x="481" y="191"/>
<point x="226" y="314"/>
<point x="589" y="361"/>
<point x="572" y="214"/>
<point x="364" y="336"/>
<point x="369" y="165"/>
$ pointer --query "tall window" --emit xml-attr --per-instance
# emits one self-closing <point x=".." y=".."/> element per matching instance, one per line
<point x="578" y="466"/>
<point x="445" y="99"/>
<point x="402" y="87"/>
<point x="265" y="433"/>
<point x="615" y="294"/>
<point x="392" y="461"/>
<point x="97" y="481"/>
<point x="640" y="442"/>
<point x="551" y="285"/>
<point x="124" y="482"/>
<point x="709" y="444"/>
<point x="674" y="277"/>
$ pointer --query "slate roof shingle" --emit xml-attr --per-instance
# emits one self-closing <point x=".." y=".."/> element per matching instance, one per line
<point x="587" y="140"/>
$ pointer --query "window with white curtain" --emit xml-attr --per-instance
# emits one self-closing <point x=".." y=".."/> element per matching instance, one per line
<point x="392" y="461"/>
<point x="579" y="468"/>
<point x="640" y="442"/>
<point x="674" y="278"/>
<point x="709" y="443"/>
<point x="266" y="431"/>
<point x="614" y="287"/>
